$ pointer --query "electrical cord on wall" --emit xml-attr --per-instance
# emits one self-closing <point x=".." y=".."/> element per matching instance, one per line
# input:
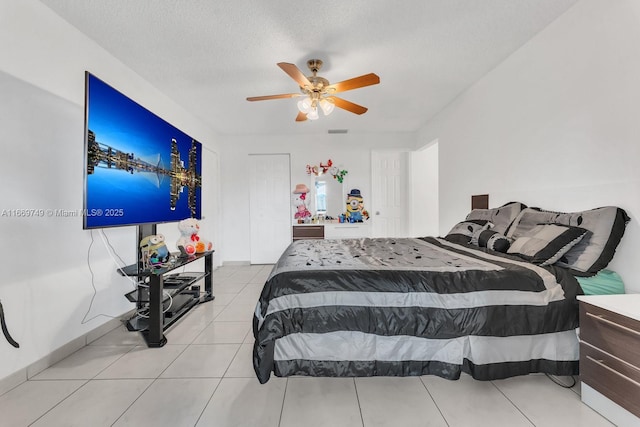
<point x="5" y="331"/>
<point x="113" y="254"/>
<point x="93" y="285"/>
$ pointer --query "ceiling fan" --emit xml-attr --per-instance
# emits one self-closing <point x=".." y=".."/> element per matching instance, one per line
<point x="318" y="93"/>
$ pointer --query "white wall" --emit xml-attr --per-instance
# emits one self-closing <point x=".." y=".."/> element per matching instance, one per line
<point x="555" y="125"/>
<point x="348" y="151"/>
<point x="424" y="191"/>
<point x="49" y="264"/>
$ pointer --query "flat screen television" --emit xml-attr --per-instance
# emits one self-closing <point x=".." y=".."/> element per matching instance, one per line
<point x="139" y="169"/>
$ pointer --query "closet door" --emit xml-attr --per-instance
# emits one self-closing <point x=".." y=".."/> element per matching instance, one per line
<point x="390" y="171"/>
<point x="270" y="206"/>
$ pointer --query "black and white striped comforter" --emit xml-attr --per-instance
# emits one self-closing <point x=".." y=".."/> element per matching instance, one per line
<point x="402" y="307"/>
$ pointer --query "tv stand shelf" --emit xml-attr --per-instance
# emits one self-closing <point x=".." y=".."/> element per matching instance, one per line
<point x="163" y="298"/>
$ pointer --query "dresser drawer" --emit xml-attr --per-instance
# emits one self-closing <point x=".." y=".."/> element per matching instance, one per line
<point x="615" y="379"/>
<point x="610" y="332"/>
<point x="308" y="232"/>
<point x="346" y="231"/>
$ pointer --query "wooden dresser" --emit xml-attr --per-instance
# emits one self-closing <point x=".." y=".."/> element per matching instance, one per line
<point x="610" y="356"/>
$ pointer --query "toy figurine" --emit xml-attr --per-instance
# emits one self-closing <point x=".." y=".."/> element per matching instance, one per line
<point x="154" y="250"/>
<point x="355" y="207"/>
<point x="189" y="239"/>
<point x="300" y="202"/>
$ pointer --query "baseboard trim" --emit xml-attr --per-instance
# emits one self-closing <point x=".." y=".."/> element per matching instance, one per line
<point x="236" y="263"/>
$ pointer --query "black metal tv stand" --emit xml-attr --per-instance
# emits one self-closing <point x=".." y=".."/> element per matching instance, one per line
<point x="163" y="297"/>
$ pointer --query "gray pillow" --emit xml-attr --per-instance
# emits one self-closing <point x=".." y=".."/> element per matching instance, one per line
<point x="500" y="217"/>
<point x="546" y="243"/>
<point x="606" y="227"/>
<point x="463" y="232"/>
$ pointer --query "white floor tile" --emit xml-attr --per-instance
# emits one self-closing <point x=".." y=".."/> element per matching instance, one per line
<point x="170" y="403"/>
<point x="97" y="403"/>
<point x="249" y="339"/>
<point x="244" y="402"/>
<point x="320" y="402"/>
<point x="224" y="333"/>
<point x="185" y="330"/>
<point x="202" y="361"/>
<point x="224" y="287"/>
<point x="390" y="401"/>
<point x="260" y="278"/>
<point x="86" y="363"/>
<point x="205" y="313"/>
<point x="237" y="313"/>
<point x="32" y="399"/>
<point x="548" y="404"/>
<point x="222" y="299"/>
<point x="468" y="402"/>
<point x="120" y="336"/>
<point x="242" y="364"/>
<point x="143" y="362"/>
<point x="250" y="295"/>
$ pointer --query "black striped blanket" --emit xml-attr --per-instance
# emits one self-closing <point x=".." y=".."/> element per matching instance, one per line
<point x="397" y="307"/>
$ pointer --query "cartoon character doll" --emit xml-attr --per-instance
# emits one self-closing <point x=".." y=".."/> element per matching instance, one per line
<point x="300" y="202"/>
<point x="355" y="207"/>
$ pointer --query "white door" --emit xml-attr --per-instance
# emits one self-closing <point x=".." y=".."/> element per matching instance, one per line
<point x="389" y="213"/>
<point x="270" y="206"/>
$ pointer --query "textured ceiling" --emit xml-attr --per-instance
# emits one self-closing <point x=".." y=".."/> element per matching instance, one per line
<point x="210" y="55"/>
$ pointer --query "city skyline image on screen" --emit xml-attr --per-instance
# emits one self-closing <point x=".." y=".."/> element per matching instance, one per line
<point x="139" y="168"/>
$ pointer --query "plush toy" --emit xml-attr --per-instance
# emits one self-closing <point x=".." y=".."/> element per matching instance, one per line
<point x="154" y="250"/>
<point x="189" y="239"/>
<point x="300" y="202"/>
<point x="355" y="207"/>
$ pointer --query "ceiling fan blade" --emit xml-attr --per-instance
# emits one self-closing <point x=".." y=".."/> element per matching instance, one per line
<point x="295" y="73"/>
<point x="348" y="105"/>
<point x="264" y="98"/>
<point x="354" y="83"/>
<point x="301" y="117"/>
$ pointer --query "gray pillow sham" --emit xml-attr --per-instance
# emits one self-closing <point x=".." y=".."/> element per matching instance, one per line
<point x="463" y="232"/>
<point x="606" y="227"/>
<point x="544" y="244"/>
<point x="501" y="217"/>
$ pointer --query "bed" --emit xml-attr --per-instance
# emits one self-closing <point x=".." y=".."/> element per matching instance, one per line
<point x="467" y="302"/>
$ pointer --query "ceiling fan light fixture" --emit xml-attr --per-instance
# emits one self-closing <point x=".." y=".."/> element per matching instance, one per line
<point x="313" y="114"/>
<point x="327" y="106"/>
<point x="304" y="105"/>
<point x="317" y="93"/>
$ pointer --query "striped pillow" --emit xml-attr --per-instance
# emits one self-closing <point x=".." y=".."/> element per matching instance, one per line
<point x="545" y="244"/>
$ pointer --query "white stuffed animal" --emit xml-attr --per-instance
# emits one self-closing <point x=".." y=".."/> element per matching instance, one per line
<point x="189" y="239"/>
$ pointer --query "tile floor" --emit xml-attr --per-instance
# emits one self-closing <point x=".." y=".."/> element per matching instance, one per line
<point x="204" y="377"/>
